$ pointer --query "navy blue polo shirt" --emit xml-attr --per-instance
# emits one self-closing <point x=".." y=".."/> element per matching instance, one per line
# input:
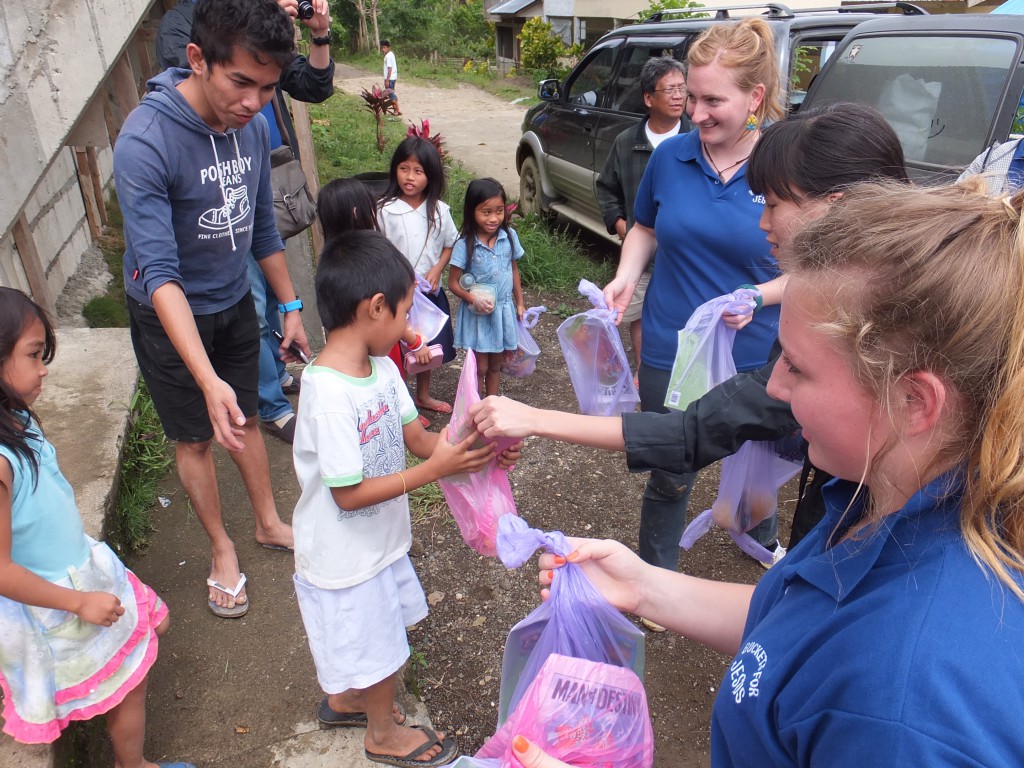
<point x="891" y="649"/>
<point x="709" y="244"/>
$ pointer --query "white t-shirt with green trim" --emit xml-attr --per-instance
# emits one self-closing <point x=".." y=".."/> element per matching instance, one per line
<point x="349" y="429"/>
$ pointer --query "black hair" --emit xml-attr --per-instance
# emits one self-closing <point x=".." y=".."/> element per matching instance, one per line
<point x="825" y="150"/>
<point x="479" y="192"/>
<point x="344" y="205"/>
<point x="425" y="153"/>
<point x="656" y="68"/>
<point x="261" y="27"/>
<point x="16" y="312"/>
<point x="385" y="42"/>
<point x="355" y="266"/>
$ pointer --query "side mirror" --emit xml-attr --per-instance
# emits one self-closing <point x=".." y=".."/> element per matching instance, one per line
<point x="548" y="90"/>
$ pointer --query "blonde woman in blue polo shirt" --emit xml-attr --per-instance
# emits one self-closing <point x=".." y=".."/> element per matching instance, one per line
<point x="695" y="209"/>
<point x="892" y="634"/>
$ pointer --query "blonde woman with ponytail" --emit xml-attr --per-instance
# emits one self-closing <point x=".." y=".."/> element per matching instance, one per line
<point x="696" y="212"/>
<point x="893" y="634"/>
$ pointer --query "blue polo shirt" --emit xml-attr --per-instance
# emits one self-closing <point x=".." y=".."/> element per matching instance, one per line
<point x="892" y="649"/>
<point x="709" y="244"/>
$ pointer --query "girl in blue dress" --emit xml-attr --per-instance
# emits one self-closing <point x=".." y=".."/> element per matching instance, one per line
<point x="78" y="631"/>
<point x="484" y="274"/>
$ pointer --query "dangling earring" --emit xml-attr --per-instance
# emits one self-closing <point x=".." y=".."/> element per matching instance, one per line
<point x="751" y="124"/>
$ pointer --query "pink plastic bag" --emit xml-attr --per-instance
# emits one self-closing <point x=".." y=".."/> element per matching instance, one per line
<point x="747" y="494"/>
<point x="479" y="499"/>
<point x="597" y="362"/>
<point x="704" y="349"/>
<point x="424" y="318"/>
<point x="585" y="713"/>
<point x="521" y="361"/>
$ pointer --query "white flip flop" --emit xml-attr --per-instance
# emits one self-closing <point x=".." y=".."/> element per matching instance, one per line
<point x="239" y="610"/>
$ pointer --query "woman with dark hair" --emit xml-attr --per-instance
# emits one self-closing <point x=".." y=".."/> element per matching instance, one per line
<point x="859" y="144"/>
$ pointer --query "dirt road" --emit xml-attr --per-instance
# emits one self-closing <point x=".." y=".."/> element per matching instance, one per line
<point x="479" y="129"/>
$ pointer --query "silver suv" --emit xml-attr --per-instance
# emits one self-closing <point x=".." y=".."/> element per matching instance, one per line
<point x="567" y="137"/>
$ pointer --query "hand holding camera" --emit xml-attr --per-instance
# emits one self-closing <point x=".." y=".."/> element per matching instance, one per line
<point x="315" y="14"/>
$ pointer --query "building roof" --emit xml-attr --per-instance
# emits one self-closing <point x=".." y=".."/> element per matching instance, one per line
<point x="510" y="6"/>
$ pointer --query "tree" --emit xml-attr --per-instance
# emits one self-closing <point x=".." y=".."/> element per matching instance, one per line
<point x="541" y="47"/>
<point x="671" y="5"/>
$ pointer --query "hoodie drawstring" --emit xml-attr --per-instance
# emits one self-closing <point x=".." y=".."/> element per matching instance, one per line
<point x="228" y="205"/>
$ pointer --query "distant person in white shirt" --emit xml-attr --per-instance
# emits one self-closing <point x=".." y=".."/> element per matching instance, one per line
<point x="390" y="74"/>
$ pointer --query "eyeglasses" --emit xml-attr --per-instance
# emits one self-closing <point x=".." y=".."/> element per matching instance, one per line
<point x="673" y="90"/>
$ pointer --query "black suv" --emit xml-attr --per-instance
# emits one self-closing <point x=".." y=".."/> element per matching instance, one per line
<point x="950" y="84"/>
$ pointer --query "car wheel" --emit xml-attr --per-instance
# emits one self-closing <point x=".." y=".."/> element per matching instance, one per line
<point x="531" y="197"/>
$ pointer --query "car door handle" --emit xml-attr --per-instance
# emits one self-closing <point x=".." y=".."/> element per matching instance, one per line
<point x="588" y="127"/>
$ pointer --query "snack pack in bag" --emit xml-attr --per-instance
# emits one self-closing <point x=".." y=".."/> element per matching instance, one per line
<point x="597" y="362"/>
<point x="478" y="499"/>
<point x="574" y="621"/>
<point x="521" y="361"/>
<point x="585" y="713"/>
<point x="747" y="494"/>
<point x="704" y="352"/>
<point x="424" y="318"/>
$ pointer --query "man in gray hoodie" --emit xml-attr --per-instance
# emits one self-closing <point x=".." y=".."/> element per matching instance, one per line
<point x="192" y="171"/>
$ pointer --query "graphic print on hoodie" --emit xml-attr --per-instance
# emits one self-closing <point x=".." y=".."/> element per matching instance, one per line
<point x="195" y="200"/>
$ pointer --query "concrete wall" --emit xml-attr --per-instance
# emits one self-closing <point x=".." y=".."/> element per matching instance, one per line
<point x="56" y="60"/>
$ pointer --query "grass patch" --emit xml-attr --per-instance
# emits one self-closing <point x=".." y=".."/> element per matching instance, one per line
<point x="145" y="459"/>
<point x="110" y="310"/>
<point x="554" y="259"/>
<point x="426" y="503"/>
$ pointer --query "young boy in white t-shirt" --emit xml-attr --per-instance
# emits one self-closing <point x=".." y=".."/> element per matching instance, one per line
<point x="355" y="584"/>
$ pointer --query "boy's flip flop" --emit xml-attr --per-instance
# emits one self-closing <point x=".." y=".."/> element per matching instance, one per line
<point x="239" y="610"/>
<point x="327" y="716"/>
<point x="276" y="548"/>
<point x="449" y="751"/>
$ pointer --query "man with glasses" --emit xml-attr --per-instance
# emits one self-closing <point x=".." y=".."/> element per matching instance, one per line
<point x="664" y="92"/>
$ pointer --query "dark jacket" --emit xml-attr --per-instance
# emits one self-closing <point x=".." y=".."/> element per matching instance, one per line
<point x="299" y="80"/>
<point x="620" y="177"/>
<point x="715" y="426"/>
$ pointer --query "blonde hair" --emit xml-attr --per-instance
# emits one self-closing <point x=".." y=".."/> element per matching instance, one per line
<point x="932" y="280"/>
<point x="747" y="49"/>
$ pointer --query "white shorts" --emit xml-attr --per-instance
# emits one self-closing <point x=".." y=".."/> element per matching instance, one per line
<point x="357" y="634"/>
<point x="636" y="304"/>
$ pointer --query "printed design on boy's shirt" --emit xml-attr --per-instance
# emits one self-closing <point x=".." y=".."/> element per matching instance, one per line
<point x="746" y="670"/>
<point x="234" y="210"/>
<point x="381" y="442"/>
<point x="229" y="176"/>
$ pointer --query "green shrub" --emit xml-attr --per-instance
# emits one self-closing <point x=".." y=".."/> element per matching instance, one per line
<point x="542" y="48"/>
<point x="666" y="5"/>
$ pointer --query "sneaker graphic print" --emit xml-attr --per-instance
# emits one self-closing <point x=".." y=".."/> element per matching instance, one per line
<point x="236" y="207"/>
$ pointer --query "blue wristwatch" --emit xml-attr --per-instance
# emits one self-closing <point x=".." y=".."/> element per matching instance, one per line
<point x="291" y="306"/>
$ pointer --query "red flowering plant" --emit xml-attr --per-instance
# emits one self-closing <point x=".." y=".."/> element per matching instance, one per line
<point x="378" y="102"/>
<point x="423" y="132"/>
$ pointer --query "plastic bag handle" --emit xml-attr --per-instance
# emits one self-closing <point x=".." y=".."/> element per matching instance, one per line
<point x="596" y="297"/>
<point x="532" y="316"/>
<point x="424" y="285"/>
<point x="742" y="302"/>
<point x="517" y="541"/>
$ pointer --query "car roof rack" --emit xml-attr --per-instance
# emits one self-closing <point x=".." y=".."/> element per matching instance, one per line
<point x="780" y="11"/>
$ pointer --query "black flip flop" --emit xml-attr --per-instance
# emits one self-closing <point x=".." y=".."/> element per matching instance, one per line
<point x="449" y="751"/>
<point x="327" y="716"/>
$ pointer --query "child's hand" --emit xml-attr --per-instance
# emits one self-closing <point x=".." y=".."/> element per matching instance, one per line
<point x="100" y="608"/>
<point x="433" y="277"/>
<point x="422" y="355"/>
<point x="483" y="306"/>
<point x="462" y="457"/>
<point x="507" y="459"/>
<point x="520" y="311"/>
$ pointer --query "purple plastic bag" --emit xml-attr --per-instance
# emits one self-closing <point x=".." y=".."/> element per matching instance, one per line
<point x="586" y="713"/>
<point x="521" y="361"/>
<point x="704" y="350"/>
<point x="574" y="621"/>
<point x="597" y="362"/>
<point x="478" y="499"/>
<point x="424" y="318"/>
<point x="747" y="494"/>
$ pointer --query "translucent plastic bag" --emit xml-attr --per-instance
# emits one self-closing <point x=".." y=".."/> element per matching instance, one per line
<point x="520" y="362"/>
<point x="582" y="712"/>
<point x="574" y="621"/>
<point x="747" y="494"/>
<point x="424" y="318"/>
<point x="478" y="499"/>
<point x="596" y="359"/>
<point x="704" y="352"/>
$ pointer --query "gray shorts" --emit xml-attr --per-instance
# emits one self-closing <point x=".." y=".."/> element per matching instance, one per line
<point x="636" y="304"/>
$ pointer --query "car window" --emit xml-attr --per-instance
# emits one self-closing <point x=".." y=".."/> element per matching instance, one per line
<point x="626" y="94"/>
<point x="940" y="93"/>
<point x="806" y="59"/>
<point x="591" y="83"/>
